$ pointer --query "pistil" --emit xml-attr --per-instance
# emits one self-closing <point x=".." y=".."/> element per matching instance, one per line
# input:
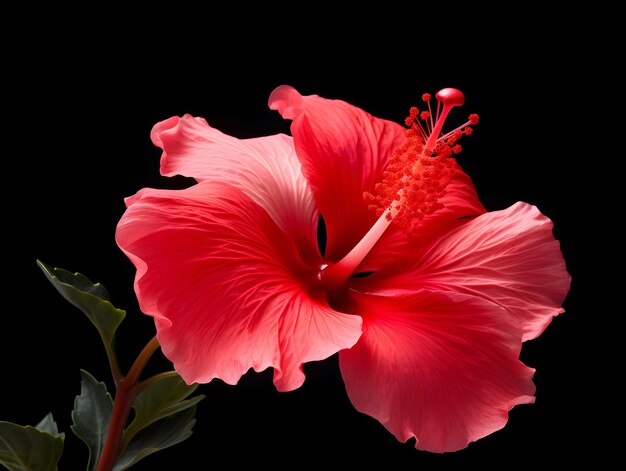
<point x="333" y="276"/>
<point x="413" y="183"/>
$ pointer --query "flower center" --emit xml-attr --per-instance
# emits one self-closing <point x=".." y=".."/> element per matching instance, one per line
<point x="414" y="181"/>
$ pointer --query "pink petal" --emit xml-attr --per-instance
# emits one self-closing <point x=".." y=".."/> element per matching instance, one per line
<point x="226" y="286"/>
<point x="343" y="151"/>
<point x="287" y="101"/>
<point x="508" y="257"/>
<point x="441" y="367"/>
<point x="266" y="169"/>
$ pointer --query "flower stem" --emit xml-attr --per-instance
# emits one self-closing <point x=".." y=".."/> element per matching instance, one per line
<point x="124" y="395"/>
<point x="142" y="360"/>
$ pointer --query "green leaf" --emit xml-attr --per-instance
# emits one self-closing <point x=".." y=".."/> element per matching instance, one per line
<point x="92" y="299"/>
<point x="158" y="436"/>
<point x="48" y="425"/>
<point x="31" y="448"/>
<point x="91" y="416"/>
<point x="164" y="397"/>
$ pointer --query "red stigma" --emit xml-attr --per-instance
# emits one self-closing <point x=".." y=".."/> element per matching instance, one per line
<point x="451" y="96"/>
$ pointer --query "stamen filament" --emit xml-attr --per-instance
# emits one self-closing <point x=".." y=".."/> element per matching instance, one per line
<point x="430" y="143"/>
<point x="421" y="127"/>
<point x="430" y="111"/>
<point x="461" y="127"/>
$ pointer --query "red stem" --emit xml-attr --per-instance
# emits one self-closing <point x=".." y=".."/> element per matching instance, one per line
<point x="124" y="395"/>
<point x="121" y="410"/>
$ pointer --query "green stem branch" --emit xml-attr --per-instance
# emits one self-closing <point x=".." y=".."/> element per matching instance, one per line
<point x="113" y="364"/>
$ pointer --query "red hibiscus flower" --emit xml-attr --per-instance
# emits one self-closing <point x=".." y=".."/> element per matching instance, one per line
<point x="425" y="295"/>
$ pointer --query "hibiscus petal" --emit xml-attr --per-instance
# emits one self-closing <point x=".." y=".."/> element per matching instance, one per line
<point x="266" y="169"/>
<point x="441" y="367"/>
<point x="509" y="257"/>
<point x="226" y="287"/>
<point x="343" y="151"/>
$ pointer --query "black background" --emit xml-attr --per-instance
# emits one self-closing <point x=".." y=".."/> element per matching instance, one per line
<point x="78" y="143"/>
